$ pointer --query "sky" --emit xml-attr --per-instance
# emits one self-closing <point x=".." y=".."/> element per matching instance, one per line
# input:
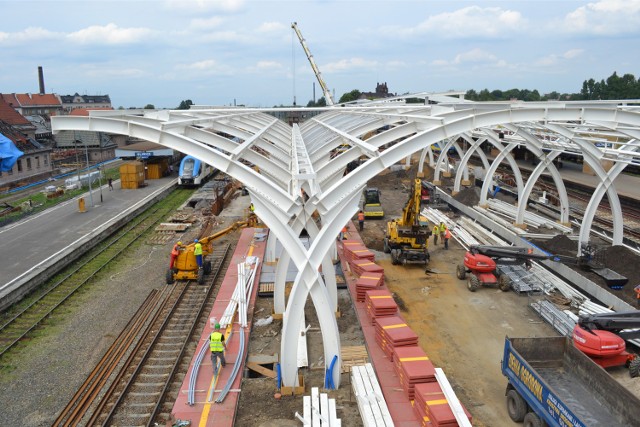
<point x="244" y="52"/>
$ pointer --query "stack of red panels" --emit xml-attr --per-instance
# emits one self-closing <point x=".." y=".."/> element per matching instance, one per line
<point x="361" y="266"/>
<point x="413" y="367"/>
<point x="432" y="407"/>
<point x="367" y="282"/>
<point x="391" y="332"/>
<point x="380" y="303"/>
<point x="357" y="251"/>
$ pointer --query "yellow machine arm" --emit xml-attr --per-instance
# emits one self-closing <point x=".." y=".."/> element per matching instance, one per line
<point x="411" y="212"/>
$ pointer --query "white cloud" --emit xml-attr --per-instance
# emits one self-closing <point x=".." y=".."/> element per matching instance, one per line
<point x="471" y="21"/>
<point x="604" y="18"/>
<point x="554" y="59"/>
<point x="206" y="24"/>
<point x="348" y="64"/>
<point x="110" y="34"/>
<point x="206" y="67"/>
<point x="474" y="56"/>
<point x="198" y="6"/>
<point x="28" y="35"/>
<point x="269" y="27"/>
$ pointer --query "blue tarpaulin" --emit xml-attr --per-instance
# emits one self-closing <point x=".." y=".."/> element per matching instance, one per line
<point x="9" y="153"/>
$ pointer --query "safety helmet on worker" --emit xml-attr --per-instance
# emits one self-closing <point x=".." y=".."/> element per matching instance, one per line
<point x="195" y="240"/>
<point x="179" y="243"/>
<point x="217" y="326"/>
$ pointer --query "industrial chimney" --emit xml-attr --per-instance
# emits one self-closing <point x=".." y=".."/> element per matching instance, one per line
<point x="41" y="80"/>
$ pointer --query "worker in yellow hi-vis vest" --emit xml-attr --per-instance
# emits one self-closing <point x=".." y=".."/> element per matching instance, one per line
<point x="197" y="251"/>
<point x="217" y="346"/>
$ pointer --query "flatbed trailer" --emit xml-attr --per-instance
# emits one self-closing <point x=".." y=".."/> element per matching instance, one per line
<point x="551" y="381"/>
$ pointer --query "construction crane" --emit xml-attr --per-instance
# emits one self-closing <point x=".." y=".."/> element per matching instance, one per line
<point x="323" y="85"/>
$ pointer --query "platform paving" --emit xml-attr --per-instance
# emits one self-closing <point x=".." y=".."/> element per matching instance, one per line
<point x="205" y="412"/>
<point x="38" y="242"/>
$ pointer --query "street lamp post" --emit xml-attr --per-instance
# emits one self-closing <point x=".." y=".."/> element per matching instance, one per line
<point x="100" y="182"/>
<point x="86" y="152"/>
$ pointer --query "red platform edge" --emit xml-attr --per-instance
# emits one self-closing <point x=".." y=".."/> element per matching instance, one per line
<point x="221" y="414"/>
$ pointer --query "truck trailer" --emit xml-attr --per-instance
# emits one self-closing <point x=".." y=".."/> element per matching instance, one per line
<point x="552" y="382"/>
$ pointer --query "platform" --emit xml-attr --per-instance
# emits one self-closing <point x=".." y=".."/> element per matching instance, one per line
<point x="205" y="412"/>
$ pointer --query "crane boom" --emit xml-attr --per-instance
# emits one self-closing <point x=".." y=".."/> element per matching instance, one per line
<point x="323" y="85"/>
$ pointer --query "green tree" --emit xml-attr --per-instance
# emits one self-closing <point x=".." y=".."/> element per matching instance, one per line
<point x="354" y="95"/>
<point x="185" y="105"/>
<point x="149" y="107"/>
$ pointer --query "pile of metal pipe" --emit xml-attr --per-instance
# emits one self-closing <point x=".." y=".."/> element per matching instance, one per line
<point x="557" y="318"/>
<point x="241" y="293"/>
<point x="236" y="369"/>
<point x="530" y="219"/>
<point x="500" y="220"/>
<point x="193" y="375"/>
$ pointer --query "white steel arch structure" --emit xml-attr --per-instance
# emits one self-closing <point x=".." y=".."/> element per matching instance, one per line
<point x="276" y="162"/>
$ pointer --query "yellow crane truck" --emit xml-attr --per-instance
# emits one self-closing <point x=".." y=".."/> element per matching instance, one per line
<point x="407" y="237"/>
<point x="185" y="266"/>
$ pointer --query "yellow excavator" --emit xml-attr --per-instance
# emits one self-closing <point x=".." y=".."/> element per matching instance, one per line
<point x="185" y="266"/>
<point x="407" y="237"/>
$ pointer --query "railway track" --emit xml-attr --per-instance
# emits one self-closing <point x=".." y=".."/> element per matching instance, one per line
<point x="141" y="371"/>
<point x="22" y="320"/>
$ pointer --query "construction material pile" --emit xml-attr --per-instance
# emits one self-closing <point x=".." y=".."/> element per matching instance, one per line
<point x="412" y="365"/>
<point x="380" y="303"/>
<point x="354" y="250"/>
<point x="432" y="405"/>
<point x="368" y="282"/>
<point x="392" y="332"/>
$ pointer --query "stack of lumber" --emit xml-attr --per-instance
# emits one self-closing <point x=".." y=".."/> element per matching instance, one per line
<point x="380" y="303"/>
<point x="412" y="365"/>
<point x="362" y="266"/>
<point x="391" y="332"/>
<point x="318" y="410"/>
<point x="368" y="282"/>
<point x="373" y="408"/>
<point x="432" y="406"/>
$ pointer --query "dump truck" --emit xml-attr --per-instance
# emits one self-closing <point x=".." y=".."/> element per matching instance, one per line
<point x="552" y="382"/>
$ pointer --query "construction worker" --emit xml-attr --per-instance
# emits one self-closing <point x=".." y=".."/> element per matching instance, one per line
<point x="252" y="208"/>
<point x="197" y="251"/>
<point x="174" y="254"/>
<point x="637" y="290"/>
<point x="442" y="229"/>
<point x="341" y="235"/>
<point x="361" y="219"/>
<point x="217" y="346"/>
<point x="447" y="236"/>
<point x="436" y="232"/>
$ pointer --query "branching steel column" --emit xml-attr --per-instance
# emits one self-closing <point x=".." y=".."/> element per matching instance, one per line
<point x="505" y="153"/>
<point x="464" y="160"/>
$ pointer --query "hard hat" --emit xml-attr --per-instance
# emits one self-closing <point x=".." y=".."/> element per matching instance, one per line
<point x="217" y="326"/>
<point x="179" y="243"/>
<point x="195" y="241"/>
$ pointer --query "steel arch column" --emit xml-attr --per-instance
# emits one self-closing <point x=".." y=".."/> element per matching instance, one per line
<point x="536" y="148"/>
<point x="464" y="160"/>
<point x="505" y="153"/>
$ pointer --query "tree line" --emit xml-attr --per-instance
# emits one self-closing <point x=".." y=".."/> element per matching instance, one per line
<point x="614" y="87"/>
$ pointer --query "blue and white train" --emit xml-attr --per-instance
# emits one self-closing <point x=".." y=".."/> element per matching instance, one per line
<point x="193" y="171"/>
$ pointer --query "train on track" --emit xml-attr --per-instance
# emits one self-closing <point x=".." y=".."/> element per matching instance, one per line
<point x="193" y="172"/>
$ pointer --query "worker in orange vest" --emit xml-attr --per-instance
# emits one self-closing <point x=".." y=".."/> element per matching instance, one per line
<point x="342" y="233"/>
<point x="447" y="236"/>
<point x="637" y="289"/>
<point x="361" y="219"/>
<point x="174" y="254"/>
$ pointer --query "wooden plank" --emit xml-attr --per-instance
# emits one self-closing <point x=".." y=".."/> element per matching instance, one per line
<point x="452" y="399"/>
<point x="315" y="407"/>
<point x="263" y="359"/>
<point x="261" y="370"/>
<point x="382" y="404"/>
<point x="306" y="410"/>
<point x="332" y="415"/>
<point x="324" y="410"/>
